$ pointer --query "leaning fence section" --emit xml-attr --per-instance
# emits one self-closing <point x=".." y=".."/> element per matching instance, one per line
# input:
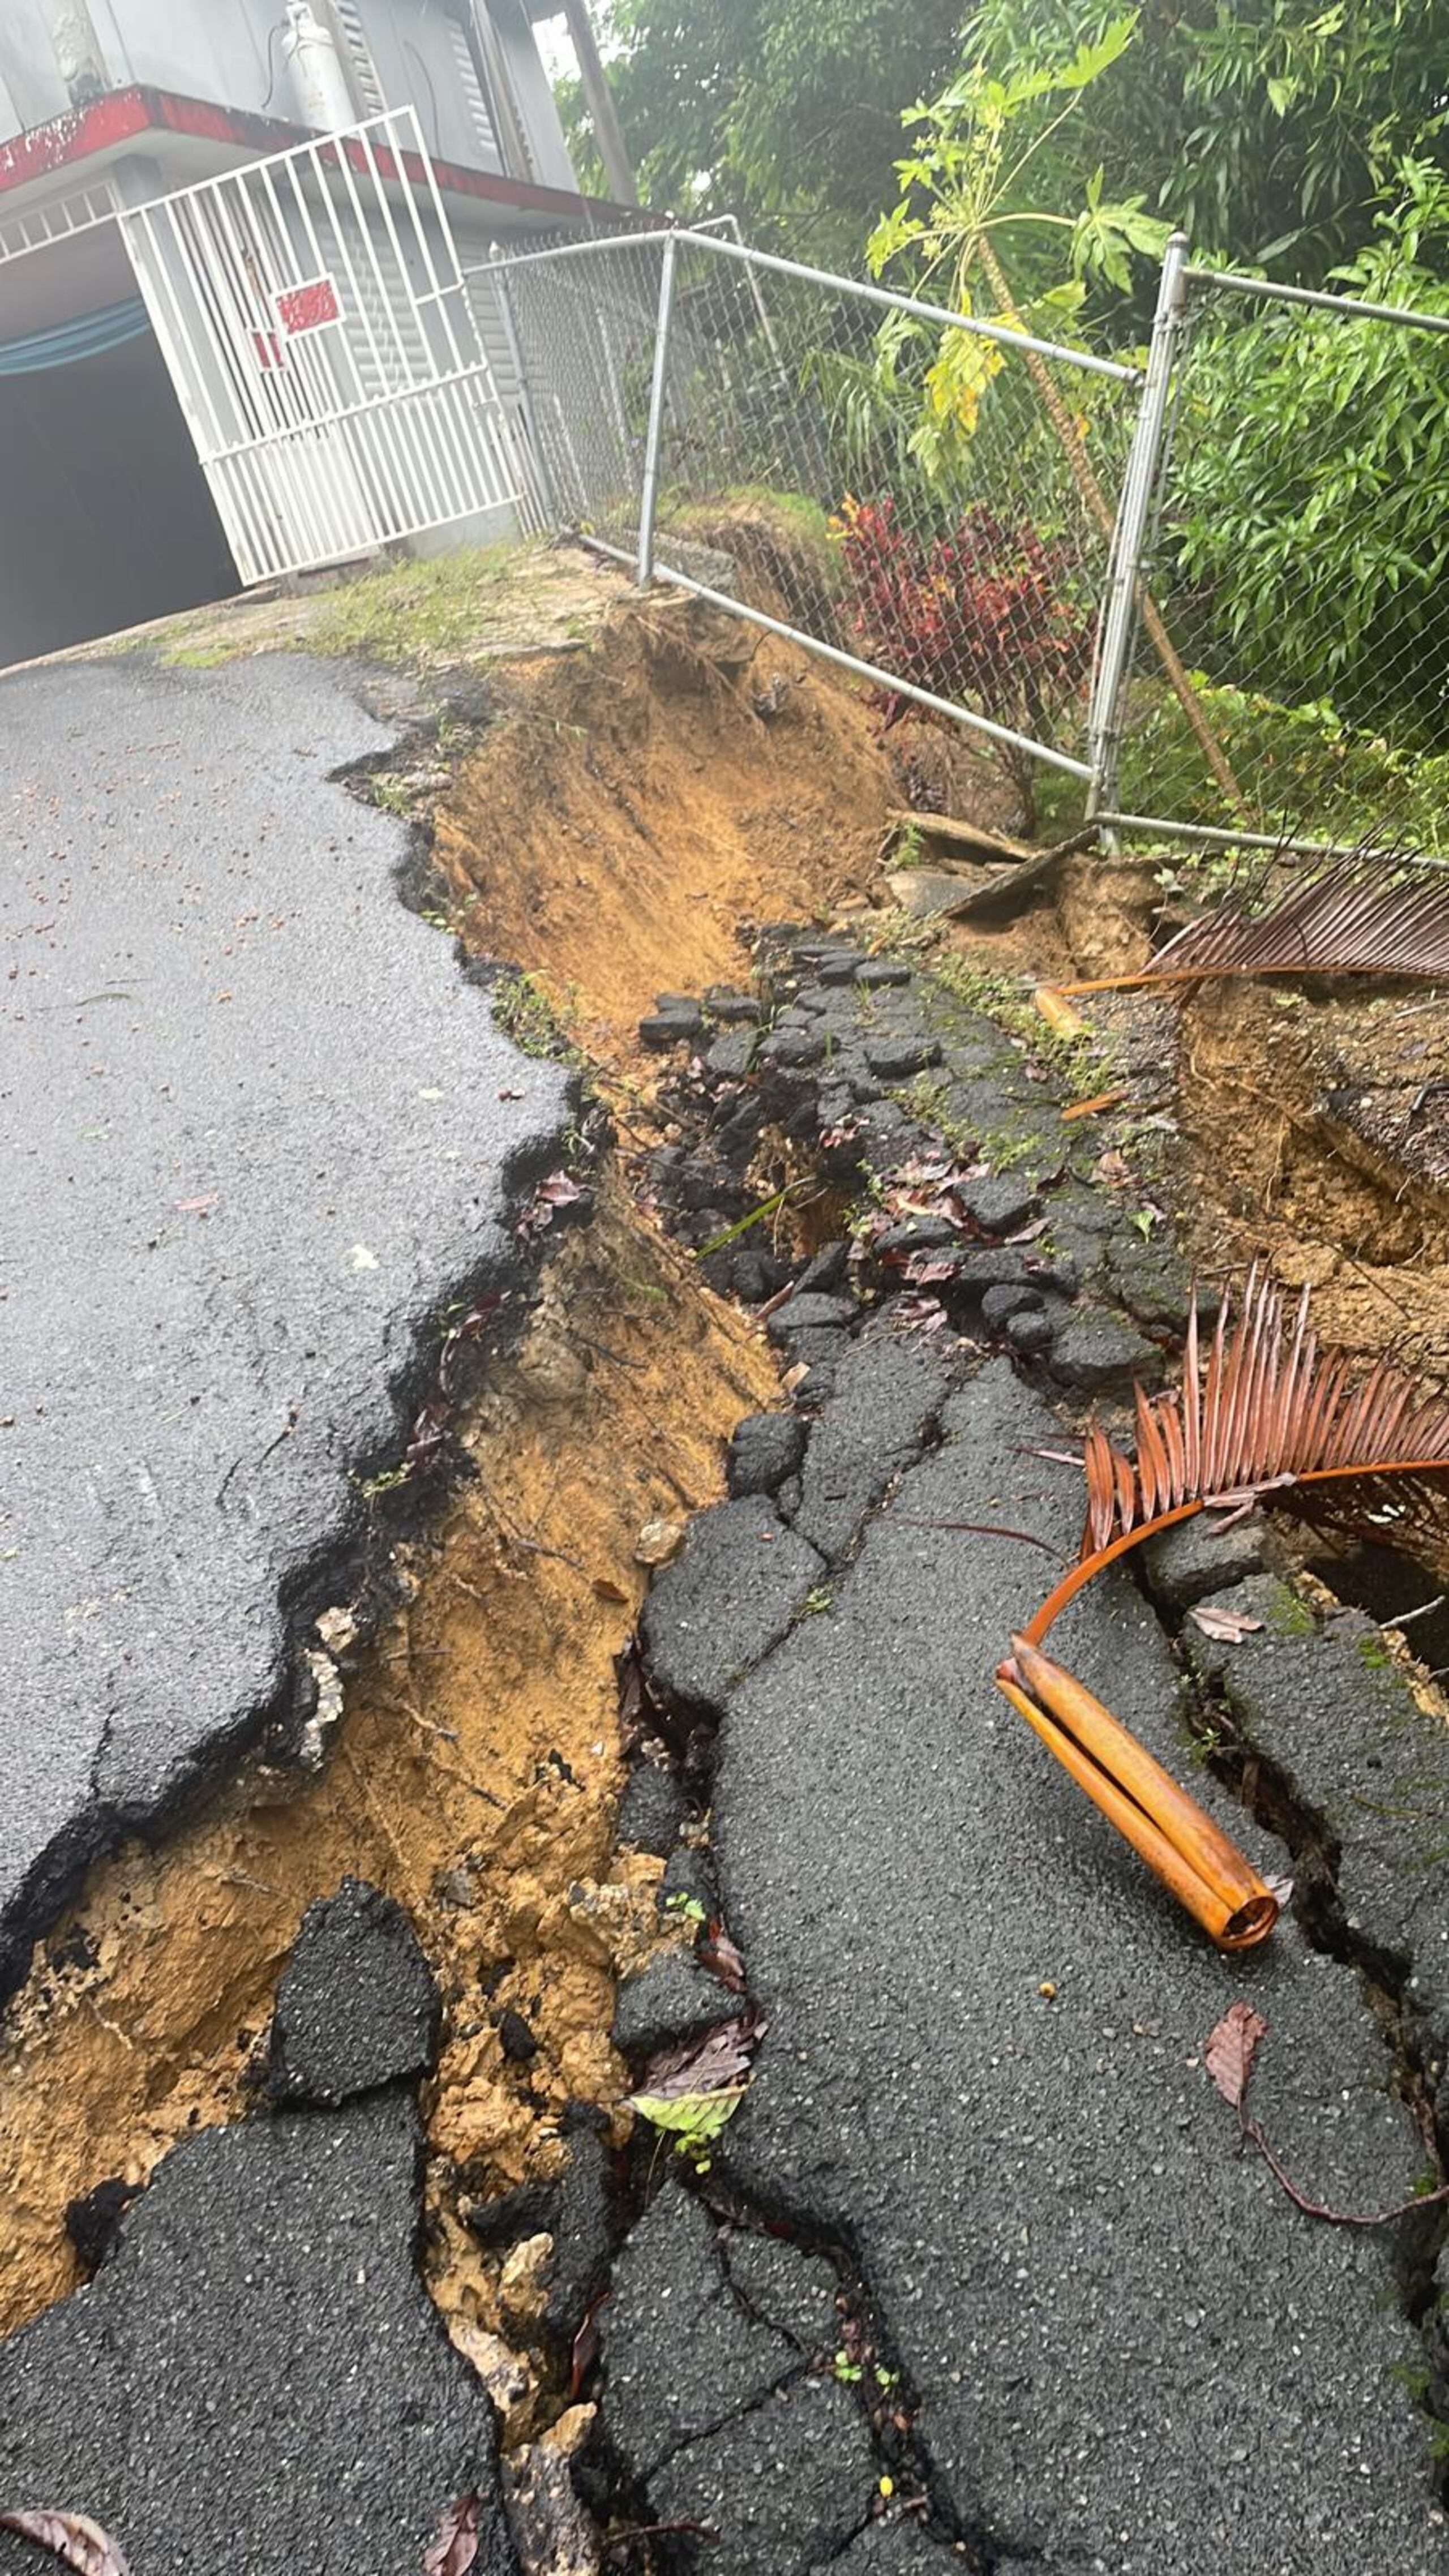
<point x="1296" y="547"/>
<point x="1205" y="597"/>
<point x="926" y="497"/>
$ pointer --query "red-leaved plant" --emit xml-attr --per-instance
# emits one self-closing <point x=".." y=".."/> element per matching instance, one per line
<point x="983" y="612"/>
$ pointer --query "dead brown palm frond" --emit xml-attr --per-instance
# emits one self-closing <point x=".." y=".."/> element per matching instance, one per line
<point x="1264" y="1409"/>
<point x="1373" y="913"/>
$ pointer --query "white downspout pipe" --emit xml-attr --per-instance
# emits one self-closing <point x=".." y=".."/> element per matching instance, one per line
<point x="319" y="78"/>
<point x="78" y="55"/>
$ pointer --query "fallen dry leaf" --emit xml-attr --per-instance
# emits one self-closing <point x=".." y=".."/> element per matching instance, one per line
<point x="721" y="2057"/>
<point x="1111" y="1168"/>
<point x="1229" y="1626"/>
<point x="915" y="1315"/>
<point x="717" y="1952"/>
<point x="606" y="1589"/>
<point x="73" y="2538"/>
<point x="1231" y="2050"/>
<point x="455" y="2548"/>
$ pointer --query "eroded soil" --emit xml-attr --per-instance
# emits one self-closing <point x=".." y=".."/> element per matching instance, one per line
<point x="636" y="805"/>
<point x="474" y="1775"/>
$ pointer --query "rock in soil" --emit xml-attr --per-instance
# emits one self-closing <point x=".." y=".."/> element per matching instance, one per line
<point x="728" y="1596"/>
<point x="1102" y="1354"/>
<point x="652" y="1810"/>
<point x="585" y="2227"/>
<point x="764" y="1449"/>
<point x="1000" y="1204"/>
<point x="1202" y="1555"/>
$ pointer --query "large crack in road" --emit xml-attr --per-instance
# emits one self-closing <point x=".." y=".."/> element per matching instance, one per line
<point x="261" y="1131"/>
<point x="983" y="2075"/>
<point x="978" y="2273"/>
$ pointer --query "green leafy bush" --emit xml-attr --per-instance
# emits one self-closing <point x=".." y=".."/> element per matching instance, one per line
<point x="1310" y="516"/>
<point x="1309" y="770"/>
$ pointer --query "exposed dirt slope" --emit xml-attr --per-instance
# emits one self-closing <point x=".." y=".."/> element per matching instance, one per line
<point x="474" y="1776"/>
<point x="633" y="809"/>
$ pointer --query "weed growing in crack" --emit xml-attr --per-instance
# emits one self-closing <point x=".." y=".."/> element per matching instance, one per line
<point x="389" y="790"/>
<point x="686" y="1909"/>
<point x="926" y="1098"/>
<point x="525" y="1014"/>
<point x="387" y="1481"/>
<point x="1084" y="1064"/>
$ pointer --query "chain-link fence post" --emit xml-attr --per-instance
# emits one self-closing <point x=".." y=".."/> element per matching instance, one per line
<point x="658" y="390"/>
<point x="1134" y="516"/>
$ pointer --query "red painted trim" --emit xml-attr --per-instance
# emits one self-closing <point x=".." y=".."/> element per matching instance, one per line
<point x="124" y="115"/>
<point x="73" y="137"/>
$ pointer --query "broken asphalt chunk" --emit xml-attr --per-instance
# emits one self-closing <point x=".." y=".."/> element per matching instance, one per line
<point x="357" y="2006"/>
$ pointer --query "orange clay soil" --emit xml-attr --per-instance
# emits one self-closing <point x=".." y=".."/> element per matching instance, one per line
<point x="627" y="812"/>
<point x="474" y="1775"/>
<point x="630" y="811"/>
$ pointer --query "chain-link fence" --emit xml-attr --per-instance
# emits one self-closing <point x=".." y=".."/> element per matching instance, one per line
<point x="1297" y="545"/>
<point x="926" y="497"/>
<point x="1205" y="599"/>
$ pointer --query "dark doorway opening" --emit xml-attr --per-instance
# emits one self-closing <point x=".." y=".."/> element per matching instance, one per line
<point x="105" y="516"/>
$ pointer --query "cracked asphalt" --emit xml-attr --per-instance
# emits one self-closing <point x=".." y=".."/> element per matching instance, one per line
<point x="259" y="1130"/>
<point x="981" y="2088"/>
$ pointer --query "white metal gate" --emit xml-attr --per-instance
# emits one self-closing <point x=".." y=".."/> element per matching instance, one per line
<point x="312" y="313"/>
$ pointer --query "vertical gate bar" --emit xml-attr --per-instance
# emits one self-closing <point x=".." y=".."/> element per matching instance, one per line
<point x="1134" y="510"/>
<point x="424" y="427"/>
<point x="430" y="442"/>
<point x="309" y="504"/>
<point x="445" y="237"/>
<point x="437" y="290"/>
<point x="393" y="475"/>
<point x="649" y="491"/>
<point x="210" y="300"/>
<point x="413" y="465"/>
<point x="193" y="392"/>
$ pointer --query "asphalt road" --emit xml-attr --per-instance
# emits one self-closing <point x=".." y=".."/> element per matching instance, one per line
<point x="984" y="2074"/>
<point x="258" y="1131"/>
<point x="981" y="2091"/>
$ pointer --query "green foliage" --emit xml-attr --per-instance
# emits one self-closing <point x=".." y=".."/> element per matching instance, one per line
<point x="524" y="1012"/>
<point x="692" y="2120"/>
<point x="414" y="612"/>
<point x="1265" y="128"/>
<point x="975" y="168"/>
<point x="1311" y="477"/>
<point x="1307" y="768"/>
<point x="785" y="109"/>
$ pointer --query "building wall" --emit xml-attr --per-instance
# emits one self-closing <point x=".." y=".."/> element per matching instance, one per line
<point x="232" y="55"/>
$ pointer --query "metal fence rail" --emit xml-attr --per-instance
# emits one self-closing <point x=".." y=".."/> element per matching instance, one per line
<point x="925" y="497"/>
<point x="1130" y="583"/>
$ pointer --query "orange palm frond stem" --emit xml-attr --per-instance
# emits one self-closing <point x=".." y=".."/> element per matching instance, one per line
<point x="1262" y="1410"/>
<point x="1165" y="1827"/>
